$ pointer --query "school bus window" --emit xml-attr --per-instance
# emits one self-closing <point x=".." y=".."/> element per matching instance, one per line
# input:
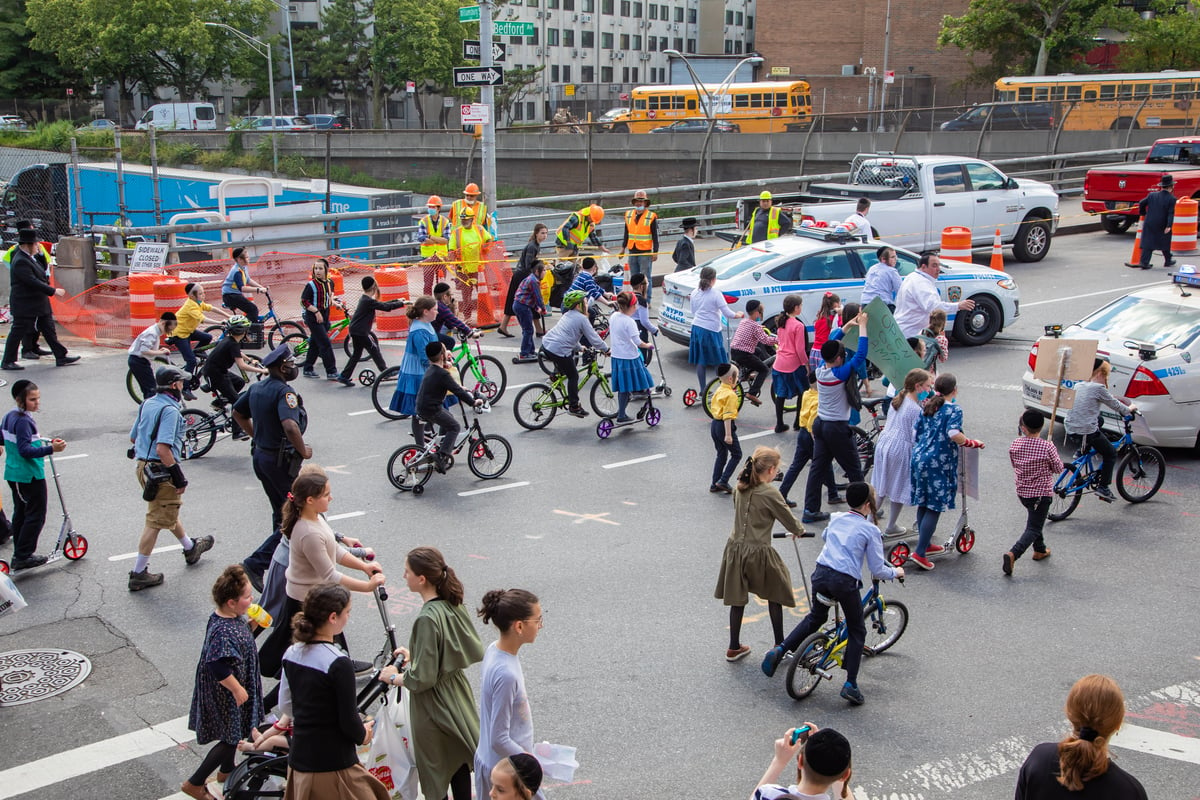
<point x="1183" y="91"/>
<point x="677" y="102"/>
<point x="1124" y="91"/>
<point x="1161" y="90"/>
<point x="741" y="101"/>
<point x="1041" y="93"/>
<point x="639" y="104"/>
<point x="691" y="104"/>
<point x="1075" y="92"/>
<point x="1008" y="97"/>
<point x="1108" y="91"/>
<point x="1025" y="93"/>
<point x="1141" y="90"/>
<point x="1057" y="92"/>
<point x="781" y="100"/>
<point x="1089" y="94"/>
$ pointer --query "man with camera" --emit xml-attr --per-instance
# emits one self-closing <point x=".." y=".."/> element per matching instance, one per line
<point x="157" y="435"/>
<point x="273" y="414"/>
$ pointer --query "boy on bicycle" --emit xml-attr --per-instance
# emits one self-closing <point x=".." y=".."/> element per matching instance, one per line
<point x="446" y="320"/>
<point x="1083" y="420"/>
<point x="850" y="539"/>
<point x="221" y="360"/>
<point x="437" y="383"/>
<point x="1036" y="464"/>
<point x="561" y="342"/>
<point x="750" y="345"/>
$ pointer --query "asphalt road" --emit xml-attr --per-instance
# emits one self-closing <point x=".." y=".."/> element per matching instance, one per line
<point x="622" y="542"/>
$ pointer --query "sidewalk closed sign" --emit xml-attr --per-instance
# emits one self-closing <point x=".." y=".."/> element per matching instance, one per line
<point x="148" y="257"/>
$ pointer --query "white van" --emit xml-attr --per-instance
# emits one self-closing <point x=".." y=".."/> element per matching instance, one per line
<point x="179" y="117"/>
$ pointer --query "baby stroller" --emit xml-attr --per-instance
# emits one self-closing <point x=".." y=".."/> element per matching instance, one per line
<point x="564" y="274"/>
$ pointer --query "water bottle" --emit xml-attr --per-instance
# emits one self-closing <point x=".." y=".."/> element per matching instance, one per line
<point x="259" y="615"/>
<point x="618" y="281"/>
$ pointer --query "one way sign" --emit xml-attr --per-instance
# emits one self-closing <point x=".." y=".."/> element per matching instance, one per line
<point x="471" y="50"/>
<point x="477" y="76"/>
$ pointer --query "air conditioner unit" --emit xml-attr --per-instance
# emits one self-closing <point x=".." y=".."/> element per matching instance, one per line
<point x="574" y="54"/>
<point x="675" y="26"/>
<point x="619" y="56"/>
<point x="645" y="56"/>
<point x="585" y="17"/>
<point x="293" y="8"/>
<point x="575" y="18"/>
<point x="540" y="52"/>
<point x="849" y="69"/>
<point x="512" y="13"/>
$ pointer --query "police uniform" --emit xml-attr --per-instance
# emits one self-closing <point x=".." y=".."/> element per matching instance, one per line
<point x="268" y="403"/>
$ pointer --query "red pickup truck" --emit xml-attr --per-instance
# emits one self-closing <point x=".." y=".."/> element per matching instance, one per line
<point x="1119" y="187"/>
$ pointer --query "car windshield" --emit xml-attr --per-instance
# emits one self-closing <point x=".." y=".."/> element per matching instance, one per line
<point x="1145" y="321"/>
<point x="740" y="261"/>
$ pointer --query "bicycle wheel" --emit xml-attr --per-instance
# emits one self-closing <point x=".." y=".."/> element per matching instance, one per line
<point x="382" y="391"/>
<point x="490" y="380"/>
<point x="216" y="331"/>
<point x="1140" y="473"/>
<point x="199" y="433"/>
<point x="802" y="675"/>
<point x="282" y="330"/>
<point x="536" y="405"/>
<point x="1063" y="503"/>
<point x="133" y="387"/>
<point x="865" y="448"/>
<point x="604" y="399"/>
<point x="884" y="628"/>
<point x="545" y="364"/>
<point x="711" y="389"/>
<point x="298" y="342"/>
<point x="348" y="346"/>
<point x="407" y="468"/>
<point x="489" y="457"/>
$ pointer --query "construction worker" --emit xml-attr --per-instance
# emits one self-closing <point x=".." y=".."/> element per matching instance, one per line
<point x="466" y="243"/>
<point x="767" y="221"/>
<point x="641" y="239"/>
<point x="433" y="232"/>
<point x="470" y="199"/>
<point x="578" y="228"/>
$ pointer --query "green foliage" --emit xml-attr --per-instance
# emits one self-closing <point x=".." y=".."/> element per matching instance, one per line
<point x="27" y="71"/>
<point x="417" y="40"/>
<point x="337" y="55"/>
<point x="517" y="83"/>
<point x="1170" y="40"/>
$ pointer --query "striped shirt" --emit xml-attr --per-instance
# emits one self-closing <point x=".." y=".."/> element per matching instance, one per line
<point x="1035" y="464"/>
<point x="749" y="334"/>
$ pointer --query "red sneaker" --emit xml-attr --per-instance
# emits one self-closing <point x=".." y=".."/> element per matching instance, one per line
<point x="934" y="548"/>
<point x="921" y="561"/>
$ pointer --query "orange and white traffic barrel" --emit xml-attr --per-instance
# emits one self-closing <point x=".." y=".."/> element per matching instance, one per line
<point x="956" y="244"/>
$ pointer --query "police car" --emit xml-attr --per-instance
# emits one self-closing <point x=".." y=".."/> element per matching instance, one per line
<point x="813" y="261"/>
<point x="1151" y="337"/>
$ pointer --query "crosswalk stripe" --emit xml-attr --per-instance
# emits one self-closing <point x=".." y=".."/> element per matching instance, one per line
<point x="1158" y="743"/>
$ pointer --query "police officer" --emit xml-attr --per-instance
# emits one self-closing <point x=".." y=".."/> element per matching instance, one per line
<point x="273" y="414"/>
<point x="157" y="435"/>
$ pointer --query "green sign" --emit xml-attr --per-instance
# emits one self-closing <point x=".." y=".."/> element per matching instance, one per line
<point x="888" y="347"/>
<point x="512" y="28"/>
<point x="470" y="14"/>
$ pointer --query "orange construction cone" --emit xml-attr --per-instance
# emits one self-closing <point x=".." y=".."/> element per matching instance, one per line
<point x="1135" y="260"/>
<point x="627" y="279"/>
<point x="485" y="313"/>
<point x="997" y="253"/>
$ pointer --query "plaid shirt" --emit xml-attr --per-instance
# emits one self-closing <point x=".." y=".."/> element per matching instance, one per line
<point x="445" y="319"/>
<point x="748" y="334"/>
<point x="529" y="293"/>
<point x="1035" y="466"/>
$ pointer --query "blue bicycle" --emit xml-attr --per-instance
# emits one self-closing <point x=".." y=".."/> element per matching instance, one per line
<point x="1139" y="474"/>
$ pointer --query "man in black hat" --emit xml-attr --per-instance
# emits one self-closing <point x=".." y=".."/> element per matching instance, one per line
<point x="29" y="347"/>
<point x="273" y="414"/>
<point x="684" y="255"/>
<point x="1158" y="212"/>
<point x="29" y="299"/>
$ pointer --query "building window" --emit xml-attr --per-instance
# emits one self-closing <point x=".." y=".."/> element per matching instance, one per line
<point x="518" y="111"/>
<point x="533" y="39"/>
<point x="589" y="75"/>
<point x="691" y="45"/>
<point x="554" y="73"/>
<point x="728" y="47"/>
<point x="637" y="42"/>
<point x="662" y="13"/>
<point x="606" y="41"/>
<point x="588" y="6"/>
<point x="552" y="37"/>
<point x="679" y="13"/>
<point x="652" y="41"/>
<point x="566" y="73"/>
<point x="728" y="17"/>
<point x="530" y="110"/>
<point x="606" y="74"/>
<point x="551" y="3"/>
<point x="625" y="7"/>
<point x="587" y="39"/>
<point x="662" y="43"/>
<point x="568" y="5"/>
<point x="624" y="74"/>
<point x="624" y="41"/>
<point x="653" y="11"/>
<point x="749" y="22"/>
<point x="637" y="10"/>
<point x="606" y="7"/>
<point x="635" y="74"/>
<point x="737" y="47"/>
<point x="568" y="37"/>
<point x="532" y="3"/>
<point x="736" y="17"/>
<point x="678" y="43"/>
<point x="691" y="16"/>
<point x="516" y="40"/>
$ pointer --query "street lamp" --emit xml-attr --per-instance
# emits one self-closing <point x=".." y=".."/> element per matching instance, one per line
<point x="284" y="7"/>
<point x="262" y="48"/>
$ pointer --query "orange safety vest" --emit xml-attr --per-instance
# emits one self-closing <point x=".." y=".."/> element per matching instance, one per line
<point x="481" y="213"/>
<point x="640" y="236"/>
<point x="434" y="226"/>
<point x="579" y="234"/>
<point x="772" y="224"/>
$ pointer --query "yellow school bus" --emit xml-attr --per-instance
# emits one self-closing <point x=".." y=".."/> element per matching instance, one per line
<point x="1112" y="101"/>
<point x="763" y="107"/>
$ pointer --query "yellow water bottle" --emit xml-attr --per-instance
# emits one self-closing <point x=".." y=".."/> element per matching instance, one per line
<point x="259" y="615"/>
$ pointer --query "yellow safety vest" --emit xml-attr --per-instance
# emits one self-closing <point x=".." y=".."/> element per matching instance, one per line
<point x="772" y="224"/>
<point x="576" y="236"/>
<point x="482" y="220"/>
<point x="640" y="236"/>
<point x="469" y="243"/>
<point x="434" y="226"/>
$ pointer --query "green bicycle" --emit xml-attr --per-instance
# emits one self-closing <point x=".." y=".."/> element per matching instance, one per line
<point x="477" y="373"/>
<point x="299" y="341"/>
<point x="537" y="403"/>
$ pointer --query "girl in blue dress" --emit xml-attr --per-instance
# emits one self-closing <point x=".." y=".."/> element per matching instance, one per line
<point x="934" y="463"/>
<point x="421" y="314"/>
<point x="706" y="346"/>
<point x="629" y="373"/>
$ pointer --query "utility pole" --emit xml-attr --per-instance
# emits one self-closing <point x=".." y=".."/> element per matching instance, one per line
<point x="487" y="96"/>
<point x="887" y="41"/>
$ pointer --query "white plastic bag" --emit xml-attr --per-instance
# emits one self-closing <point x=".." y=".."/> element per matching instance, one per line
<point x="390" y="758"/>
<point x="10" y="597"/>
<point x="557" y="760"/>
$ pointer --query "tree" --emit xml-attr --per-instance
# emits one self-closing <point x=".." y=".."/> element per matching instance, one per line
<point x="338" y="54"/>
<point x="419" y="41"/>
<point x="1024" y="36"/>
<point x="517" y="84"/>
<point x="27" y="71"/>
<point x="1168" y="40"/>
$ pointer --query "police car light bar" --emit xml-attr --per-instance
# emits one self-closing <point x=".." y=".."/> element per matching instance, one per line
<point x="1186" y="276"/>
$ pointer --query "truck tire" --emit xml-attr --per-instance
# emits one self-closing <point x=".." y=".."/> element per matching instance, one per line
<point x="1116" y="223"/>
<point x="620" y="127"/>
<point x="1033" y="239"/>
<point x="980" y="325"/>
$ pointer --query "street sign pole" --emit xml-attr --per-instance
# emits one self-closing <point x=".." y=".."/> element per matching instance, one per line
<point x="488" y="96"/>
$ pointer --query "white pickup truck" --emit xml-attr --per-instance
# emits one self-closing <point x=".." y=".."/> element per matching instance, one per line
<point x="914" y="197"/>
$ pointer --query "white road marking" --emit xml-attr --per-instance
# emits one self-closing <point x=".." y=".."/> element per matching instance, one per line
<point x="501" y="348"/>
<point x="1093" y="294"/>
<point x="68" y="458"/>
<point x="1158" y="743"/>
<point x="347" y="515"/>
<point x="166" y="548"/>
<point x="632" y="461"/>
<point x="488" y="489"/>
<point x="360" y="413"/>
<point x="93" y="757"/>
<point x="999" y="387"/>
<point x="759" y="435"/>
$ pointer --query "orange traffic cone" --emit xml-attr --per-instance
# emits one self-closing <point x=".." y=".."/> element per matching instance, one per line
<point x="627" y="279"/>
<point x="1135" y="260"/>
<point x="997" y="253"/>
<point x="485" y="312"/>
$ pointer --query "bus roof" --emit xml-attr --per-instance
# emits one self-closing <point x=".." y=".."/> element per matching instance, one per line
<point x="733" y="87"/>
<point x="1103" y="77"/>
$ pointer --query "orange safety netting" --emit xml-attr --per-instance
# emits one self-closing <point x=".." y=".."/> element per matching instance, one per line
<point x="102" y="314"/>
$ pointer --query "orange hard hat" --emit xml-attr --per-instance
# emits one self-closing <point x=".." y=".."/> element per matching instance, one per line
<point x="472" y="188"/>
<point x="597" y="214"/>
<point x="434" y="202"/>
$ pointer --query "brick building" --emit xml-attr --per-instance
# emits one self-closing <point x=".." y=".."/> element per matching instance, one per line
<point x="835" y="46"/>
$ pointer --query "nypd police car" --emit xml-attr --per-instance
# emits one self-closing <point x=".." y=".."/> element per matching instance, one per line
<point x="1151" y="337"/>
<point x="814" y="261"/>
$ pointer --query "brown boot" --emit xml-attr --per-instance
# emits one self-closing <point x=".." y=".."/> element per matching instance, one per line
<point x="198" y="792"/>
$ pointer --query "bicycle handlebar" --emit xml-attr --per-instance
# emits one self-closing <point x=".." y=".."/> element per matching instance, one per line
<point x="785" y="534"/>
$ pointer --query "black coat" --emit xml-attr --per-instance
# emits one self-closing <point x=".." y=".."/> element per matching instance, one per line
<point x="1159" y="210"/>
<point x="30" y="292"/>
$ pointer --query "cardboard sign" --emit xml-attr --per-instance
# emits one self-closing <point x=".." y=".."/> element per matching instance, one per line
<point x="887" y="347"/>
<point x="1083" y="353"/>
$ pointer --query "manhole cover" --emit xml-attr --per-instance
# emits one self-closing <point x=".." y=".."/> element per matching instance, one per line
<point x="27" y="676"/>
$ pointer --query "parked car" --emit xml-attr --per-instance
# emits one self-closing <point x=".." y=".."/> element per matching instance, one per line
<point x="11" y="122"/>
<point x="325" y="122"/>
<point x="1123" y="185"/>
<point x="1004" y="117"/>
<point x="268" y="124"/>
<point x="1152" y="339"/>
<point x="614" y="121"/>
<point x="99" y="125"/>
<point x="698" y="126"/>
<point x="814" y="261"/>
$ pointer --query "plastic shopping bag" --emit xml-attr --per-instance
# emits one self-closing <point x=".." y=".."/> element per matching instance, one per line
<point x="557" y="760"/>
<point x="390" y="758"/>
<point x="10" y="597"/>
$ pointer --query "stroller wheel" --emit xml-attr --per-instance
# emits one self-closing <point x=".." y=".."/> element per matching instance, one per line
<point x="965" y="539"/>
<point x="899" y="554"/>
<point x="689" y="397"/>
<point x="75" y="547"/>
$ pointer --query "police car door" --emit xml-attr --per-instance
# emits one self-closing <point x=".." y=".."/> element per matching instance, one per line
<point x="811" y="277"/>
